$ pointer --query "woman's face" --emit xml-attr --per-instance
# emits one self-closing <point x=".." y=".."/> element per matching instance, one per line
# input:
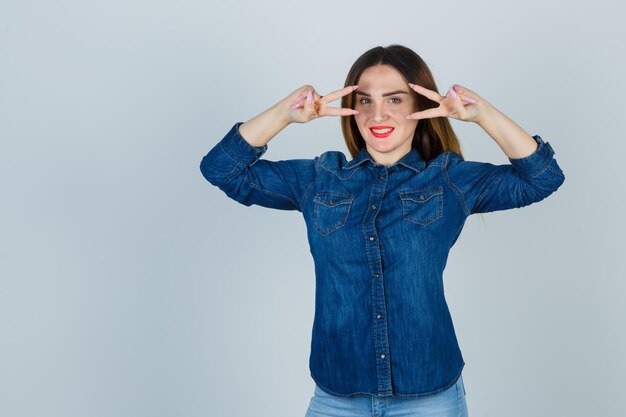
<point x="383" y="99"/>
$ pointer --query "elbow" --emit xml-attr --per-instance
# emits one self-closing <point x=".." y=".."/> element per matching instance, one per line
<point x="224" y="177"/>
<point x="205" y="169"/>
<point x="555" y="176"/>
<point x="214" y="172"/>
<point x="541" y="186"/>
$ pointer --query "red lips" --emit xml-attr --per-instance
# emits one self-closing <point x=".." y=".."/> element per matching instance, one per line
<point x="381" y="135"/>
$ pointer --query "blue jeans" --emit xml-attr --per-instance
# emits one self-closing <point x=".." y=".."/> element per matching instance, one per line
<point x="448" y="403"/>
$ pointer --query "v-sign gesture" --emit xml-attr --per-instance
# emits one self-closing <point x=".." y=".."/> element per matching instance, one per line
<point x="310" y="105"/>
<point x="460" y="103"/>
<point x="301" y="106"/>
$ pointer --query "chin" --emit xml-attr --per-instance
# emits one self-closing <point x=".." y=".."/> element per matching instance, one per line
<point x="381" y="147"/>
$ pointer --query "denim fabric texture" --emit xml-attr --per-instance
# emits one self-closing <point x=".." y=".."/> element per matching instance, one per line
<point x="380" y="237"/>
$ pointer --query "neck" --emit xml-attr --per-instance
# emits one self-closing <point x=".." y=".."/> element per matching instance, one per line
<point x="387" y="159"/>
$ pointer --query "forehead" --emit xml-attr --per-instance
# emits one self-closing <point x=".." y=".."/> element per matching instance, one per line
<point x="381" y="76"/>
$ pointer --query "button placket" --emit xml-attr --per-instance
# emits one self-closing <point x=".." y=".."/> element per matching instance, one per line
<point x="370" y="233"/>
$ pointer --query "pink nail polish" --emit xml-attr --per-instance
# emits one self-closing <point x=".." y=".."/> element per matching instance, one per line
<point x="452" y="92"/>
<point x="298" y="103"/>
<point x="309" y="96"/>
<point x="471" y="100"/>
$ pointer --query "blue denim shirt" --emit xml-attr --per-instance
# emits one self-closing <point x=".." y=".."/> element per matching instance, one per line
<point x="380" y="238"/>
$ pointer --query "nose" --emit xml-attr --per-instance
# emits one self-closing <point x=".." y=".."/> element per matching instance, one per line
<point x="380" y="113"/>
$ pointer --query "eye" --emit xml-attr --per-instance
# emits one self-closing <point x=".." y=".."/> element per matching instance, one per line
<point x="366" y="100"/>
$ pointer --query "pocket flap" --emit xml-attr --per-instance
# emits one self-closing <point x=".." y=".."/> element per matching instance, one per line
<point x="422" y="195"/>
<point x="330" y="199"/>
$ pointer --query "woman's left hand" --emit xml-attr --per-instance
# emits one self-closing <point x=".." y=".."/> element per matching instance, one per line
<point x="459" y="103"/>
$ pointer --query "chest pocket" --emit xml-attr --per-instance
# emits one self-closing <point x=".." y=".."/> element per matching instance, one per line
<point x="422" y="206"/>
<point x="330" y="211"/>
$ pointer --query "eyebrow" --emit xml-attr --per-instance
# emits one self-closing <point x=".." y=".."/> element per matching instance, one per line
<point x="384" y="95"/>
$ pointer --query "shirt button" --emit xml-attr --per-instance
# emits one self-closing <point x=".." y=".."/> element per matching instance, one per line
<point x="372" y="238"/>
<point x="379" y="317"/>
<point x="376" y="275"/>
<point x="382" y="177"/>
<point x="373" y="206"/>
<point x="382" y="356"/>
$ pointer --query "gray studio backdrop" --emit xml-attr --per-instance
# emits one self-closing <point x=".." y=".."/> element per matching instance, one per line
<point x="129" y="286"/>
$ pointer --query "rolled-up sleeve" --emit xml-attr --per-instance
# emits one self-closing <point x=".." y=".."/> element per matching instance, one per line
<point x="236" y="168"/>
<point x="486" y="187"/>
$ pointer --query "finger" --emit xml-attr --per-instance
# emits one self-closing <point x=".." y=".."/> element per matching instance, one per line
<point x="301" y="95"/>
<point x="318" y="106"/>
<point x="468" y="99"/>
<point x="335" y="111"/>
<point x="338" y="94"/>
<point x="309" y="105"/>
<point x="427" y="114"/>
<point x="433" y="95"/>
<point x="298" y="103"/>
<point x="456" y="103"/>
<point x="466" y="92"/>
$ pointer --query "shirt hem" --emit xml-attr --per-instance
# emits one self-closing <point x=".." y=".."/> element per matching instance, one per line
<point x="392" y="394"/>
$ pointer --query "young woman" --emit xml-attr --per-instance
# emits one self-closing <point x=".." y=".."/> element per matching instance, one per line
<point x="381" y="225"/>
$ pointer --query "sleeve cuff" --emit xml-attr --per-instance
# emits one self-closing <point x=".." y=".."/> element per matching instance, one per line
<point x="537" y="162"/>
<point x="238" y="149"/>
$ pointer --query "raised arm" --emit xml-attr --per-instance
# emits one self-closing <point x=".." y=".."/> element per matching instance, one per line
<point x="301" y="106"/>
<point x="532" y="175"/>
<point x="485" y="187"/>
<point x="234" y="163"/>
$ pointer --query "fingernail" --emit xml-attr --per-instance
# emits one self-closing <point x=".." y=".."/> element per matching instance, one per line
<point x="411" y="84"/>
<point x="354" y="87"/>
<point x="295" y="106"/>
<point x="309" y="96"/>
<point x="458" y="87"/>
<point x="471" y="100"/>
<point x="452" y="92"/>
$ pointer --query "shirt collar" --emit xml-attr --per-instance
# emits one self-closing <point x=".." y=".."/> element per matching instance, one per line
<point x="412" y="160"/>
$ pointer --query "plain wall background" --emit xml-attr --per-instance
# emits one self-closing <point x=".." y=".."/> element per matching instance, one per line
<point x="129" y="286"/>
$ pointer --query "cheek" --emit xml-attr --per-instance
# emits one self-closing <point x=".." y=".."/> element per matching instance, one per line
<point x="409" y="124"/>
<point x="362" y="125"/>
<point x="360" y="120"/>
<point x="407" y="109"/>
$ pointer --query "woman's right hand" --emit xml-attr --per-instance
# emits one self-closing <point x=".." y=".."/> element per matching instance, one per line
<point x="305" y="104"/>
<point x="259" y="130"/>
